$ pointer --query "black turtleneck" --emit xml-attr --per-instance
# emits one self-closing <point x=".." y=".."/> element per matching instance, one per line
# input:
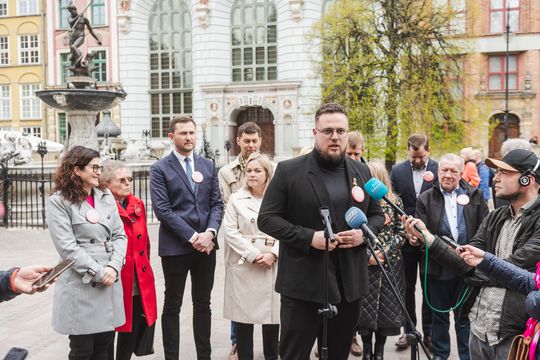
<point x="335" y="179"/>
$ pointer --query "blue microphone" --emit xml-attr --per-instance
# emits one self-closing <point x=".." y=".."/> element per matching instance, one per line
<point x="356" y="219"/>
<point x="377" y="190"/>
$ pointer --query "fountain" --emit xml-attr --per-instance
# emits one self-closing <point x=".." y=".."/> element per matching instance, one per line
<point x="81" y="100"/>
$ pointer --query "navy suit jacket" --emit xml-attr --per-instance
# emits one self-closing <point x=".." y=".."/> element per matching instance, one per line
<point x="181" y="210"/>
<point x="403" y="185"/>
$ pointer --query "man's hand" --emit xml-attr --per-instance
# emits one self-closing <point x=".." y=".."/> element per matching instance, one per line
<point x="416" y="238"/>
<point x="110" y="276"/>
<point x="265" y="260"/>
<point x="203" y="242"/>
<point x="372" y="260"/>
<point x="318" y="241"/>
<point x="350" y="238"/>
<point x="472" y="255"/>
<point x="26" y="276"/>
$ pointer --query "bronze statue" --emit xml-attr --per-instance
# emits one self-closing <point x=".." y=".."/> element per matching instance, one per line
<point x="78" y="24"/>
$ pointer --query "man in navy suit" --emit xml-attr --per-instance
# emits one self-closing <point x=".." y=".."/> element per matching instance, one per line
<point x="409" y="179"/>
<point x="185" y="195"/>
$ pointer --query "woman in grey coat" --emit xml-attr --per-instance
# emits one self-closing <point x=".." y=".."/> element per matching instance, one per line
<point x="85" y="226"/>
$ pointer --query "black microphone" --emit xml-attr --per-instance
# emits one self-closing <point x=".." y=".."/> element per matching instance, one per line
<point x="377" y="190"/>
<point x="356" y="219"/>
<point x="325" y="216"/>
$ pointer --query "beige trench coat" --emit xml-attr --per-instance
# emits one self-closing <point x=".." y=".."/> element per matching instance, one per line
<point x="249" y="290"/>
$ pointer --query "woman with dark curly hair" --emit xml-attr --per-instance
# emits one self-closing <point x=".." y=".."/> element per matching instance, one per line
<point x="85" y="226"/>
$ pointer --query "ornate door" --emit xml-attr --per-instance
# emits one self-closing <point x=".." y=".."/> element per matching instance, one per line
<point x="262" y="117"/>
<point x="497" y="136"/>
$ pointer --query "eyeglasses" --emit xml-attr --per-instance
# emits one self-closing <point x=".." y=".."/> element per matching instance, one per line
<point x="329" y="132"/>
<point x="96" y="168"/>
<point x="126" y="180"/>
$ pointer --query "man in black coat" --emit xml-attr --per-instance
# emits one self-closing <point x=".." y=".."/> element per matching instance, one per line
<point x="454" y="209"/>
<point x="409" y="179"/>
<point x="290" y="212"/>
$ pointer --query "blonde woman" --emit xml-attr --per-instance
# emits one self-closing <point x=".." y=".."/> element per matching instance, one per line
<point x="251" y="264"/>
<point x="388" y="317"/>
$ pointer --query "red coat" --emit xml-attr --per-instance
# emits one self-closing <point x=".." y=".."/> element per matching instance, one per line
<point x="137" y="259"/>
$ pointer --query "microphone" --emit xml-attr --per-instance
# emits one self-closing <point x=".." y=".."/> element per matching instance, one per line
<point x="377" y="190"/>
<point x="325" y="215"/>
<point x="356" y="219"/>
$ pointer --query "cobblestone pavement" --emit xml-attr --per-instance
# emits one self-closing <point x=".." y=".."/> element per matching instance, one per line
<point x="26" y="321"/>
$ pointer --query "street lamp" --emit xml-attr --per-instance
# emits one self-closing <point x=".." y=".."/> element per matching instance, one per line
<point x="228" y="147"/>
<point x="507" y="57"/>
<point x="42" y="151"/>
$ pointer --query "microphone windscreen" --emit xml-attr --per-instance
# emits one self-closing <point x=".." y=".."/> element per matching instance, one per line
<point x="355" y="218"/>
<point x="376" y="189"/>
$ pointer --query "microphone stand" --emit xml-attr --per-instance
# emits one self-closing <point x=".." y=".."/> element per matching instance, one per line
<point x="414" y="338"/>
<point x="328" y="311"/>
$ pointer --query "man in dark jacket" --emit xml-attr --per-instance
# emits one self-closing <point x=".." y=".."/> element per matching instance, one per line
<point x="19" y="281"/>
<point x="409" y="179"/>
<point x="290" y="212"/>
<point x="454" y="209"/>
<point x="512" y="233"/>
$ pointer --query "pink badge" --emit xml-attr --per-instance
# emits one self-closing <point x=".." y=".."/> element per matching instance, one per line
<point x="197" y="177"/>
<point x="357" y="194"/>
<point x="463" y="200"/>
<point x="138" y="210"/>
<point x="428" y="176"/>
<point x="2" y="210"/>
<point x="386" y="219"/>
<point x="92" y="216"/>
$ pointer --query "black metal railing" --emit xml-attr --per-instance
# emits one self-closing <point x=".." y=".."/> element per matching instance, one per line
<point x="25" y="193"/>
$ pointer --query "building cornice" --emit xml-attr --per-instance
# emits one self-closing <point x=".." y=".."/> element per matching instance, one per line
<point x="251" y="87"/>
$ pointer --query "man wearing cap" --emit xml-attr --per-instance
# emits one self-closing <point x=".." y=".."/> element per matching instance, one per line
<point x="512" y="232"/>
<point x="455" y="209"/>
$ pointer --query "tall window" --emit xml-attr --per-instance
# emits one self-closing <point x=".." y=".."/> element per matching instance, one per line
<point x="458" y="23"/>
<point x="170" y="64"/>
<point x="3" y="7"/>
<point x="63" y="14"/>
<point x="65" y="64"/>
<point x="33" y="130"/>
<point x="497" y="70"/>
<point x="30" y="105"/>
<point x="254" y="41"/>
<point x="4" y="50"/>
<point x="29" y="49"/>
<point x="5" y="102"/>
<point x="99" y="15"/>
<point x="27" y="7"/>
<point x="498" y="10"/>
<point x="62" y="127"/>
<point x="100" y="65"/>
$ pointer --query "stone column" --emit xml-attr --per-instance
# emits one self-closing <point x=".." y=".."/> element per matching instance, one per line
<point x="83" y="129"/>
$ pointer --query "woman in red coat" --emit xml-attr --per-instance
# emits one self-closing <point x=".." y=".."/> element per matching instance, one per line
<point x="137" y="275"/>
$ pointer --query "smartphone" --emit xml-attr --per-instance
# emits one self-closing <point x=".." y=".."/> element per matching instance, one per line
<point x="452" y="243"/>
<point x="16" y="354"/>
<point x="54" y="273"/>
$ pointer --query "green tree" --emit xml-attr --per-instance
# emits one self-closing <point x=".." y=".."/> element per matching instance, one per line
<point x="392" y="64"/>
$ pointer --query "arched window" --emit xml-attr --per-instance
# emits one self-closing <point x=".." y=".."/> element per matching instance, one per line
<point x="254" y="40"/>
<point x="170" y="64"/>
<point x="326" y="5"/>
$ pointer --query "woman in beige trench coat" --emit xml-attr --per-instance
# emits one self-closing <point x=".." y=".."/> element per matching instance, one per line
<point x="251" y="264"/>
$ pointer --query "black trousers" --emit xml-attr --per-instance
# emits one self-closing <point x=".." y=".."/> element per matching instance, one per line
<point x="411" y="259"/>
<point x="301" y="325"/>
<point x="244" y="340"/>
<point x="91" y="346"/>
<point x="175" y="269"/>
<point x="125" y="345"/>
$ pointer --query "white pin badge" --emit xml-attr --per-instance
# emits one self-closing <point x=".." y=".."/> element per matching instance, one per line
<point x="137" y="209"/>
<point x="197" y="177"/>
<point x="428" y="176"/>
<point x="92" y="216"/>
<point x="463" y="199"/>
<point x="357" y="192"/>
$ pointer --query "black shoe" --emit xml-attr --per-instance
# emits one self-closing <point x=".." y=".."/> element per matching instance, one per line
<point x="368" y="354"/>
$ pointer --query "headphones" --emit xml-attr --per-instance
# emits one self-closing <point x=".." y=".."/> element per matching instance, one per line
<point x="524" y="179"/>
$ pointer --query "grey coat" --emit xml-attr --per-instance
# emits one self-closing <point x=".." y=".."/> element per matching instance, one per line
<point x="82" y="304"/>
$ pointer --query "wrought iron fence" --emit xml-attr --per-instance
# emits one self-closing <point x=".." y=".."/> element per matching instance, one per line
<point x="25" y="192"/>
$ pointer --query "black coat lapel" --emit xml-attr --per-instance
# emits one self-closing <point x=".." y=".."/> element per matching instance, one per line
<point x="317" y="182"/>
